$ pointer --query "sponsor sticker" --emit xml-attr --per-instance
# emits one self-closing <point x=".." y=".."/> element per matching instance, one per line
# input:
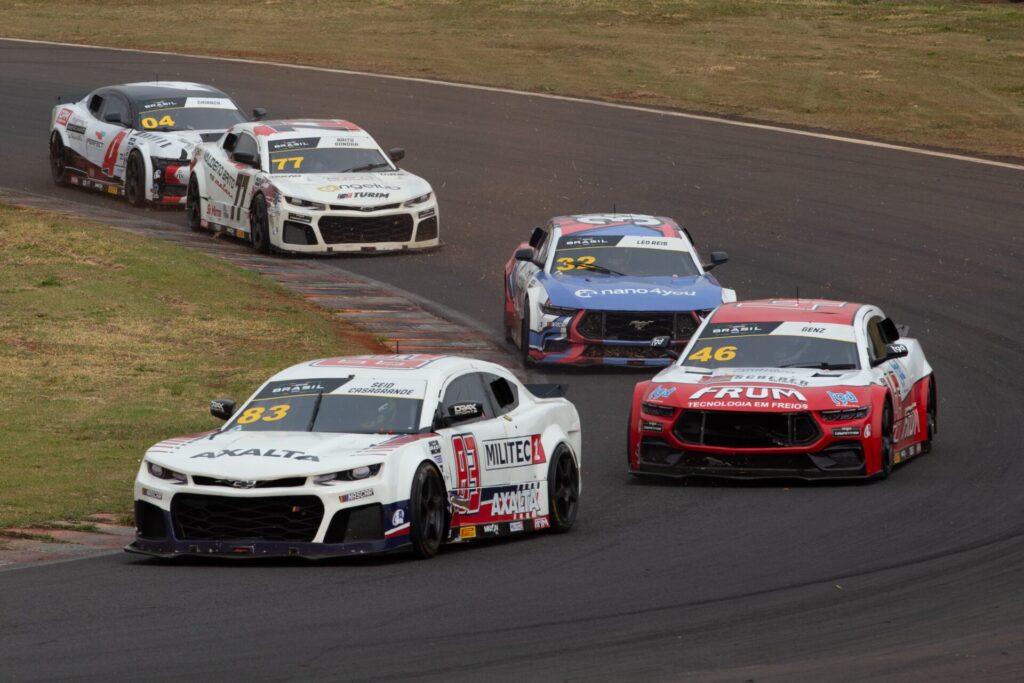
<point x="843" y="398"/>
<point x="258" y="453"/>
<point x="515" y="527"/>
<point x="435" y="447"/>
<point x="491" y="530"/>
<point x="409" y="361"/>
<point x="467" y="532"/>
<point x="397" y="389"/>
<point x="301" y="386"/>
<point x="660" y="392"/>
<point x="633" y="291"/>
<point x="518" y="452"/>
<point x="292" y="143"/>
<point x="63" y="116"/>
<point x="398" y="518"/>
<point x="525" y="500"/>
<point x="541" y="523"/>
<point x="356" y="495"/>
<point x="845" y="432"/>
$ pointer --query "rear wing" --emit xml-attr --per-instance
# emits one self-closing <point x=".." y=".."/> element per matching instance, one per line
<point x="548" y="390"/>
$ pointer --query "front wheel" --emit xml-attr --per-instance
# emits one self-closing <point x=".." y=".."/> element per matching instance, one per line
<point x="193" y="205"/>
<point x="58" y="160"/>
<point x="563" y="490"/>
<point x="887" y="445"/>
<point x="259" y="225"/>
<point x="135" y="180"/>
<point x="427" y="512"/>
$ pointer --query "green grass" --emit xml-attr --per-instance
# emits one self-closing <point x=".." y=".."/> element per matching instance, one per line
<point x="949" y="74"/>
<point x="110" y="342"/>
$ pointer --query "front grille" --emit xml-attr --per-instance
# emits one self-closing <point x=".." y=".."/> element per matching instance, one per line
<point x="352" y="230"/>
<point x="260" y="484"/>
<point x="298" y="233"/>
<point x="427" y="229"/>
<point x="619" y="351"/>
<point x="278" y="518"/>
<point x="382" y="207"/>
<point x="636" y="326"/>
<point x="746" y="430"/>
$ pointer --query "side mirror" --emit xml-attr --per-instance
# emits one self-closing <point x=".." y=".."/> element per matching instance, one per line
<point x="114" y="117"/>
<point x="664" y="343"/>
<point x="536" y="237"/>
<point x="244" y="158"/>
<point x="524" y="254"/>
<point x="467" y="410"/>
<point x="259" y="113"/>
<point x="717" y="259"/>
<point x="396" y="154"/>
<point x="223" y="408"/>
<point x="889" y="331"/>
<point x="892" y="351"/>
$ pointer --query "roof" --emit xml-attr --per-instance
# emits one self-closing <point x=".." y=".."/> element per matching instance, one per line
<point x="156" y="90"/>
<point x="285" y="127"/>
<point x="406" y="366"/>
<point x="783" y="310"/>
<point x="639" y="225"/>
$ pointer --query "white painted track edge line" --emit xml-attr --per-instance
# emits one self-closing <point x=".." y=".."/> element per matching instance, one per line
<point x="548" y="96"/>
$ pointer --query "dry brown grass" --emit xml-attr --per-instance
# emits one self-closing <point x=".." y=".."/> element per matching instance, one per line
<point x="949" y="74"/>
<point x="110" y="342"/>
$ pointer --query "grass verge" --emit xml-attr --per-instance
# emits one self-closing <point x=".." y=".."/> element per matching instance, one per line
<point x="110" y="342"/>
<point x="940" y="73"/>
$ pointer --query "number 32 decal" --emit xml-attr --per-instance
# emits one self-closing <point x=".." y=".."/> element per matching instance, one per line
<point x="569" y="263"/>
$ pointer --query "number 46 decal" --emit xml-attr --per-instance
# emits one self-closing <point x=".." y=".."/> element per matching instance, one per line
<point x="467" y="474"/>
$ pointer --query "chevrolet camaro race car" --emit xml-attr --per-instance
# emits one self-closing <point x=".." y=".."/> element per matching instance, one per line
<point x="596" y="289"/>
<point x="362" y="454"/>
<point x="310" y="186"/>
<point x="137" y="139"/>
<point x="801" y="389"/>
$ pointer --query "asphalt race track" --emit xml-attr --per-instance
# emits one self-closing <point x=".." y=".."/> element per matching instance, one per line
<point x="920" y="577"/>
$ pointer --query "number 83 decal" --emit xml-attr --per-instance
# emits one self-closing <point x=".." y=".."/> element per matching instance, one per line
<point x="261" y="414"/>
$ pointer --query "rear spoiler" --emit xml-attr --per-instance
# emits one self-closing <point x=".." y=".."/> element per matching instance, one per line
<point x="548" y="390"/>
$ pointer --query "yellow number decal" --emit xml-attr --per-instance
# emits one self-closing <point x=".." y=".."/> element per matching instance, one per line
<point x="251" y="415"/>
<point x="725" y="353"/>
<point x="565" y="263"/>
<point x="722" y="353"/>
<point x="283" y="161"/>
<point x="704" y="355"/>
<point x="277" y="412"/>
<point x="585" y="261"/>
<point x="149" y="122"/>
<point x="568" y="263"/>
<point x="167" y="120"/>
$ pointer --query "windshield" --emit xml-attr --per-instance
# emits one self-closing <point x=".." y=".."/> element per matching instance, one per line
<point x="623" y="255"/>
<point x="328" y="160"/>
<point x="172" y="114"/>
<point x="775" y="345"/>
<point x="356" y="406"/>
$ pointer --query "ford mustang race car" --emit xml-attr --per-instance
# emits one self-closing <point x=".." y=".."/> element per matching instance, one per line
<point x="783" y="388"/>
<point x="137" y="139"/>
<point x="596" y="289"/>
<point x="310" y="186"/>
<point x="362" y="454"/>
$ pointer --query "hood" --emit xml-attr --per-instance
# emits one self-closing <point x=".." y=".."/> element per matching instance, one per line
<point x="169" y="144"/>
<point x="356" y="189"/>
<point x="612" y="293"/>
<point x="264" y="455"/>
<point x="760" y="388"/>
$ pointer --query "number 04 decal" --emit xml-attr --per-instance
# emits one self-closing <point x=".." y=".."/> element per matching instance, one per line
<point x="151" y="122"/>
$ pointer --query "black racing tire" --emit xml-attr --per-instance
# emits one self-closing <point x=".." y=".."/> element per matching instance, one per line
<point x="524" y="336"/>
<point x="135" y="179"/>
<point x="931" y="415"/>
<point x="563" y="490"/>
<point x="194" y="206"/>
<point x="427" y="512"/>
<point x="58" y="160"/>
<point x="885" y="439"/>
<point x="259" y="225"/>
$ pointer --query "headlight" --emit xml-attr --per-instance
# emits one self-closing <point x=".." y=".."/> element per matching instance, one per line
<point x="844" y="414"/>
<point x="364" y="472"/>
<point x="418" y="200"/>
<point x="161" y="472"/>
<point x="660" y="411"/>
<point x="317" y="206"/>
<point x="547" y="309"/>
